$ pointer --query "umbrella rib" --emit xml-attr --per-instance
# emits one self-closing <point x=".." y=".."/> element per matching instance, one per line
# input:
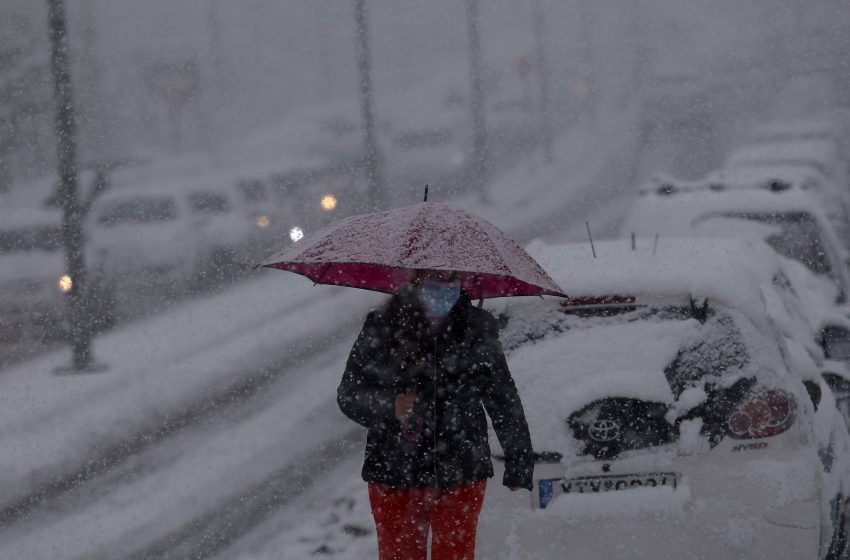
<point x="322" y="275"/>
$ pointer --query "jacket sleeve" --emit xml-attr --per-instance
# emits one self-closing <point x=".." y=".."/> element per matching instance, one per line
<point x="359" y="396"/>
<point x="504" y="407"/>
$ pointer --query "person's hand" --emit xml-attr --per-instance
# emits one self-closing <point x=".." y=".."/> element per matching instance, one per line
<point x="404" y="404"/>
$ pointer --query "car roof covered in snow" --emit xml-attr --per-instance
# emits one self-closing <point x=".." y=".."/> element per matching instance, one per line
<point x="759" y="176"/>
<point x="677" y="213"/>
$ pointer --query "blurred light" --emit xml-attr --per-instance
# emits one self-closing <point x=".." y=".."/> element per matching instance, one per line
<point x="296" y="233"/>
<point x="65" y="284"/>
<point x="328" y="202"/>
<point x="263" y="221"/>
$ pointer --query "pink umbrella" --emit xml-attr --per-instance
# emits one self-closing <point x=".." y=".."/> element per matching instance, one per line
<point x="381" y="251"/>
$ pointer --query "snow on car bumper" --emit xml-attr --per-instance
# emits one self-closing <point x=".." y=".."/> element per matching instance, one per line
<point x="726" y="505"/>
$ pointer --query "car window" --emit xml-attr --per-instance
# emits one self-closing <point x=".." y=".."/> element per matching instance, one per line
<point x="138" y="210"/>
<point x="208" y="203"/>
<point x="33" y="238"/>
<point x="796" y="236"/>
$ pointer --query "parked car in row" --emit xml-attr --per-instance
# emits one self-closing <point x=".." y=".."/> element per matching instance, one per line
<point x="792" y="223"/>
<point x="34" y="280"/>
<point x="674" y="412"/>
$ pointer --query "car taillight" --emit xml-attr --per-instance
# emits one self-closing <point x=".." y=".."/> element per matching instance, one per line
<point x="762" y="414"/>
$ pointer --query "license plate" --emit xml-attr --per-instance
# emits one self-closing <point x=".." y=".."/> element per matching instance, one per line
<point x="549" y="488"/>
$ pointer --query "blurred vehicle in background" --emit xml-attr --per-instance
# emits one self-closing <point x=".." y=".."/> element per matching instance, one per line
<point x="793" y="223"/>
<point x="225" y="234"/>
<point x="708" y="399"/>
<point x="146" y="239"/>
<point x="781" y="178"/>
<point x="832" y="126"/>
<point x="32" y="267"/>
<point x="34" y="282"/>
<point x="820" y="155"/>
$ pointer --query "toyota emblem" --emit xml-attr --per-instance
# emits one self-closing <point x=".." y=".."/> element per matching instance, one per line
<point x="603" y="430"/>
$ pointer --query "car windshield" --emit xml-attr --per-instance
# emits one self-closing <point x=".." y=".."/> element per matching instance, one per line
<point x="208" y="203"/>
<point x="138" y="210"/>
<point x="795" y="235"/>
<point x="32" y="238"/>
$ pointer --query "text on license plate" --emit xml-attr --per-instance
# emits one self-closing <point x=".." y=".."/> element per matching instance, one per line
<point x="605" y="483"/>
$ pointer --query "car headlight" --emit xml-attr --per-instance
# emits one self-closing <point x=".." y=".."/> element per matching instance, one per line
<point x="65" y="283"/>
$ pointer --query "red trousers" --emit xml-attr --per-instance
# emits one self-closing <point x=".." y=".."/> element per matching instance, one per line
<point x="404" y="515"/>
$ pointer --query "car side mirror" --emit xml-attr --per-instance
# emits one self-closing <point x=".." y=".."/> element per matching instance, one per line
<point x="835" y="341"/>
<point x="814" y="391"/>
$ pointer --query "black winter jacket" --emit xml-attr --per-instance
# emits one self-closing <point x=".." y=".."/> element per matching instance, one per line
<point x="462" y="373"/>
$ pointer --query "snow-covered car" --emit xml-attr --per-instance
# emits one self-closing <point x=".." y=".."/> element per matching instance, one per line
<point x="833" y="126"/>
<point x="823" y="156"/>
<point x="777" y="179"/>
<point x="793" y="223"/>
<point x="671" y="414"/>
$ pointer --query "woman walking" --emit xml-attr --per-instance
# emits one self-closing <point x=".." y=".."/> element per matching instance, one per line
<point x="420" y="376"/>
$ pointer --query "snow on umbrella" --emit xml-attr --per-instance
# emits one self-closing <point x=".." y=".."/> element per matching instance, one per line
<point x="381" y="251"/>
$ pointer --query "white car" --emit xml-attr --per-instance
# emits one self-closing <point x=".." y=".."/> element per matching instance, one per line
<point x="34" y="282"/>
<point x="145" y="238"/>
<point x="793" y="223"/>
<point x="32" y="263"/>
<point x="777" y="179"/>
<point x="823" y="156"/>
<point x="225" y="234"/>
<point x="671" y="414"/>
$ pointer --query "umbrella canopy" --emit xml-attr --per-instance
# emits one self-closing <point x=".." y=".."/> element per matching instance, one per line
<point x="381" y="251"/>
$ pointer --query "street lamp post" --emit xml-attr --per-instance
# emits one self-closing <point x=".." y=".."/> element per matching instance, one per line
<point x="543" y="81"/>
<point x="479" y="125"/>
<point x="374" y="171"/>
<point x="68" y="199"/>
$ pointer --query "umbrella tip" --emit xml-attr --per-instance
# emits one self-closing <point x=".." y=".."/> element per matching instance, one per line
<point x="426" y="194"/>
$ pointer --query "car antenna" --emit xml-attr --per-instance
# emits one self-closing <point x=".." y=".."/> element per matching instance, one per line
<point x="655" y="244"/>
<point x="426" y="194"/>
<point x="591" y="239"/>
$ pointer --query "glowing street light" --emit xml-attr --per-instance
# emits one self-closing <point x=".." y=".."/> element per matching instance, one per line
<point x="263" y="221"/>
<point x="65" y="283"/>
<point x="296" y="234"/>
<point x="328" y="202"/>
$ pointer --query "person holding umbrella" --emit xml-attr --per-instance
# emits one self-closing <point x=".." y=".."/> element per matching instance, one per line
<point x="427" y="366"/>
<point x="420" y="377"/>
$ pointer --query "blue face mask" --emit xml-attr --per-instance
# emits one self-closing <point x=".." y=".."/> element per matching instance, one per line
<point x="438" y="297"/>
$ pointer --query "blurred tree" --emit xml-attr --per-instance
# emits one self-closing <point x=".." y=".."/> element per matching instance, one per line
<point x="588" y="62"/>
<point x="373" y="161"/>
<point x="543" y="79"/>
<point x="480" y="165"/>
